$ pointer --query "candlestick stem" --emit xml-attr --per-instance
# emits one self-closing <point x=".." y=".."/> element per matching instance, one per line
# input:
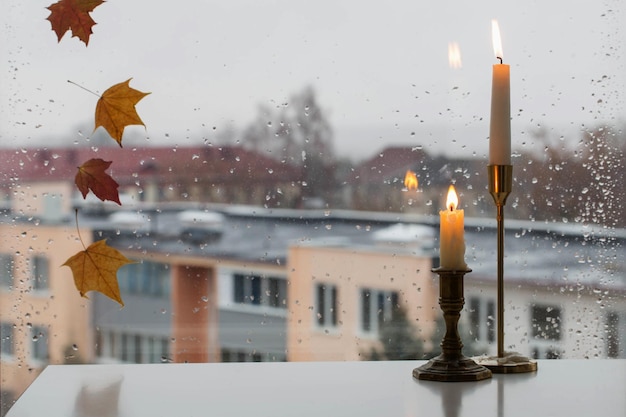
<point x="500" y="185"/>
<point x="500" y="282"/>
<point x="451" y="365"/>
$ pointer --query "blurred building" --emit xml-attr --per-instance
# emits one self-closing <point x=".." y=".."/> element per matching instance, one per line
<point x="43" y="319"/>
<point x="235" y="282"/>
<point x="340" y="296"/>
<point x="227" y="174"/>
<point x="377" y="184"/>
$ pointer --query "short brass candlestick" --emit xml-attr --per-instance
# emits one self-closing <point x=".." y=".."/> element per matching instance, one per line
<point x="500" y="186"/>
<point x="451" y="365"/>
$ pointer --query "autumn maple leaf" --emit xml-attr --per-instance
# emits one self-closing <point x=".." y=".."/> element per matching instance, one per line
<point x="95" y="269"/>
<point x="73" y="15"/>
<point x="91" y="176"/>
<point x="116" y="109"/>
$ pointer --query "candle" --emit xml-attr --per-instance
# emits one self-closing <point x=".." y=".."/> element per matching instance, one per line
<point x="500" y="127"/>
<point x="451" y="235"/>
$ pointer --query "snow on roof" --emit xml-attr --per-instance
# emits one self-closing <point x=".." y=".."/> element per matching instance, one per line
<point x="405" y="233"/>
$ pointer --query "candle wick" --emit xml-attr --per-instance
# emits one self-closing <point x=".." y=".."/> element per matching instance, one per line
<point x="451" y="207"/>
<point x="500" y="58"/>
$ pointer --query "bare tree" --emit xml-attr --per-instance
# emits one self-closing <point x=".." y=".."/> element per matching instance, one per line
<point x="584" y="182"/>
<point x="297" y="133"/>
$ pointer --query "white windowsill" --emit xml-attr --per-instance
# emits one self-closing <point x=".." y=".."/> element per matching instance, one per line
<point x="255" y="309"/>
<point x="559" y="388"/>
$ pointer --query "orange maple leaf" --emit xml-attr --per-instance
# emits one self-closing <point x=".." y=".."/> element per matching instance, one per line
<point x="95" y="269"/>
<point x="73" y="15"/>
<point x="116" y="109"/>
<point x="91" y="176"/>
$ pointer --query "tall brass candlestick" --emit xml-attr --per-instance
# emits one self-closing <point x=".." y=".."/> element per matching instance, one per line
<point x="451" y="365"/>
<point x="500" y="185"/>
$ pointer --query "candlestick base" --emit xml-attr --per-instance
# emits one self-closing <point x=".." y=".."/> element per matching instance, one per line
<point x="442" y="369"/>
<point x="510" y="363"/>
<point x="451" y="365"/>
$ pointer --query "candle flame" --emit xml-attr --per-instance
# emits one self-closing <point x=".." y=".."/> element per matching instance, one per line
<point x="497" y="41"/>
<point x="453" y="200"/>
<point x="410" y="180"/>
<point x="454" y="55"/>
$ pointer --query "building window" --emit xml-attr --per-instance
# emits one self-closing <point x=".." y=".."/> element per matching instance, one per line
<point x="491" y="321"/>
<point x="481" y="315"/>
<point x="137" y="342"/>
<point x="127" y="347"/>
<point x="158" y="349"/>
<point x="546" y="322"/>
<point x="114" y="349"/>
<point x="133" y="348"/>
<point x="39" y="346"/>
<point x="377" y="306"/>
<point x="99" y="342"/>
<point x="6" y="270"/>
<point x="6" y="339"/>
<point x="146" y="278"/>
<point x="40" y="272"/>
<point x="247" y="289"/>
<point x="235" y="355"/>
<point x="260" y="290"/>
<point x="545" y="353"/>
<point x="326" y="305"/>
<point x="612" y="334"/>
<point x="277" y="292"/>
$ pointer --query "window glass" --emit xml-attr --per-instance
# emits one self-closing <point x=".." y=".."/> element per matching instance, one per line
<point x="145" y="278"/>
<point x="326" y="310"/>
<point x="6" y="270"/>
<point x="40" y="272"/>
<point x="39" y="344"/>
<point x="378" y="306"/>
<point x="613" y="342"/>
<point x="262" y="195"/>
<point x="259" y="290"/>
<point x="546" y="322"/>
<point x="6" y="338"/>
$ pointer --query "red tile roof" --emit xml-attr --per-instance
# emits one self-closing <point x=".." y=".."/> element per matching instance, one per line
<point x="216" y="164"/>
<point x="389" y="163"/>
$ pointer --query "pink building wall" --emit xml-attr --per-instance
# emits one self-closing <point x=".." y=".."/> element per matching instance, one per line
<point x="58" y="308"/>
<point x="351" y="270"/>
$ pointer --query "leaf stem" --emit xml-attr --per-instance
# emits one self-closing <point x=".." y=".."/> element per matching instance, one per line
<point x="86" y="89"/>
<point x="78" y="230"/>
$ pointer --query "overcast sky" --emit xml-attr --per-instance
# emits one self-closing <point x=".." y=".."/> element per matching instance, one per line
<point x="380" y="68"/>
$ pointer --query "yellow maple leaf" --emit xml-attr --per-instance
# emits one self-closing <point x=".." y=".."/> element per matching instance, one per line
<point x="116" y="109"/>
<point x="95" y="269"/>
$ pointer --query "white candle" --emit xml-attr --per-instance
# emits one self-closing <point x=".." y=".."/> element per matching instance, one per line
<point x="500" y="127"/>
<point x="452" y="235"/>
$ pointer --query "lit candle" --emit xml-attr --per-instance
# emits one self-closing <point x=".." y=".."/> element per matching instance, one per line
<point x="500" y="128"/>
<point x="451" y="235"/>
